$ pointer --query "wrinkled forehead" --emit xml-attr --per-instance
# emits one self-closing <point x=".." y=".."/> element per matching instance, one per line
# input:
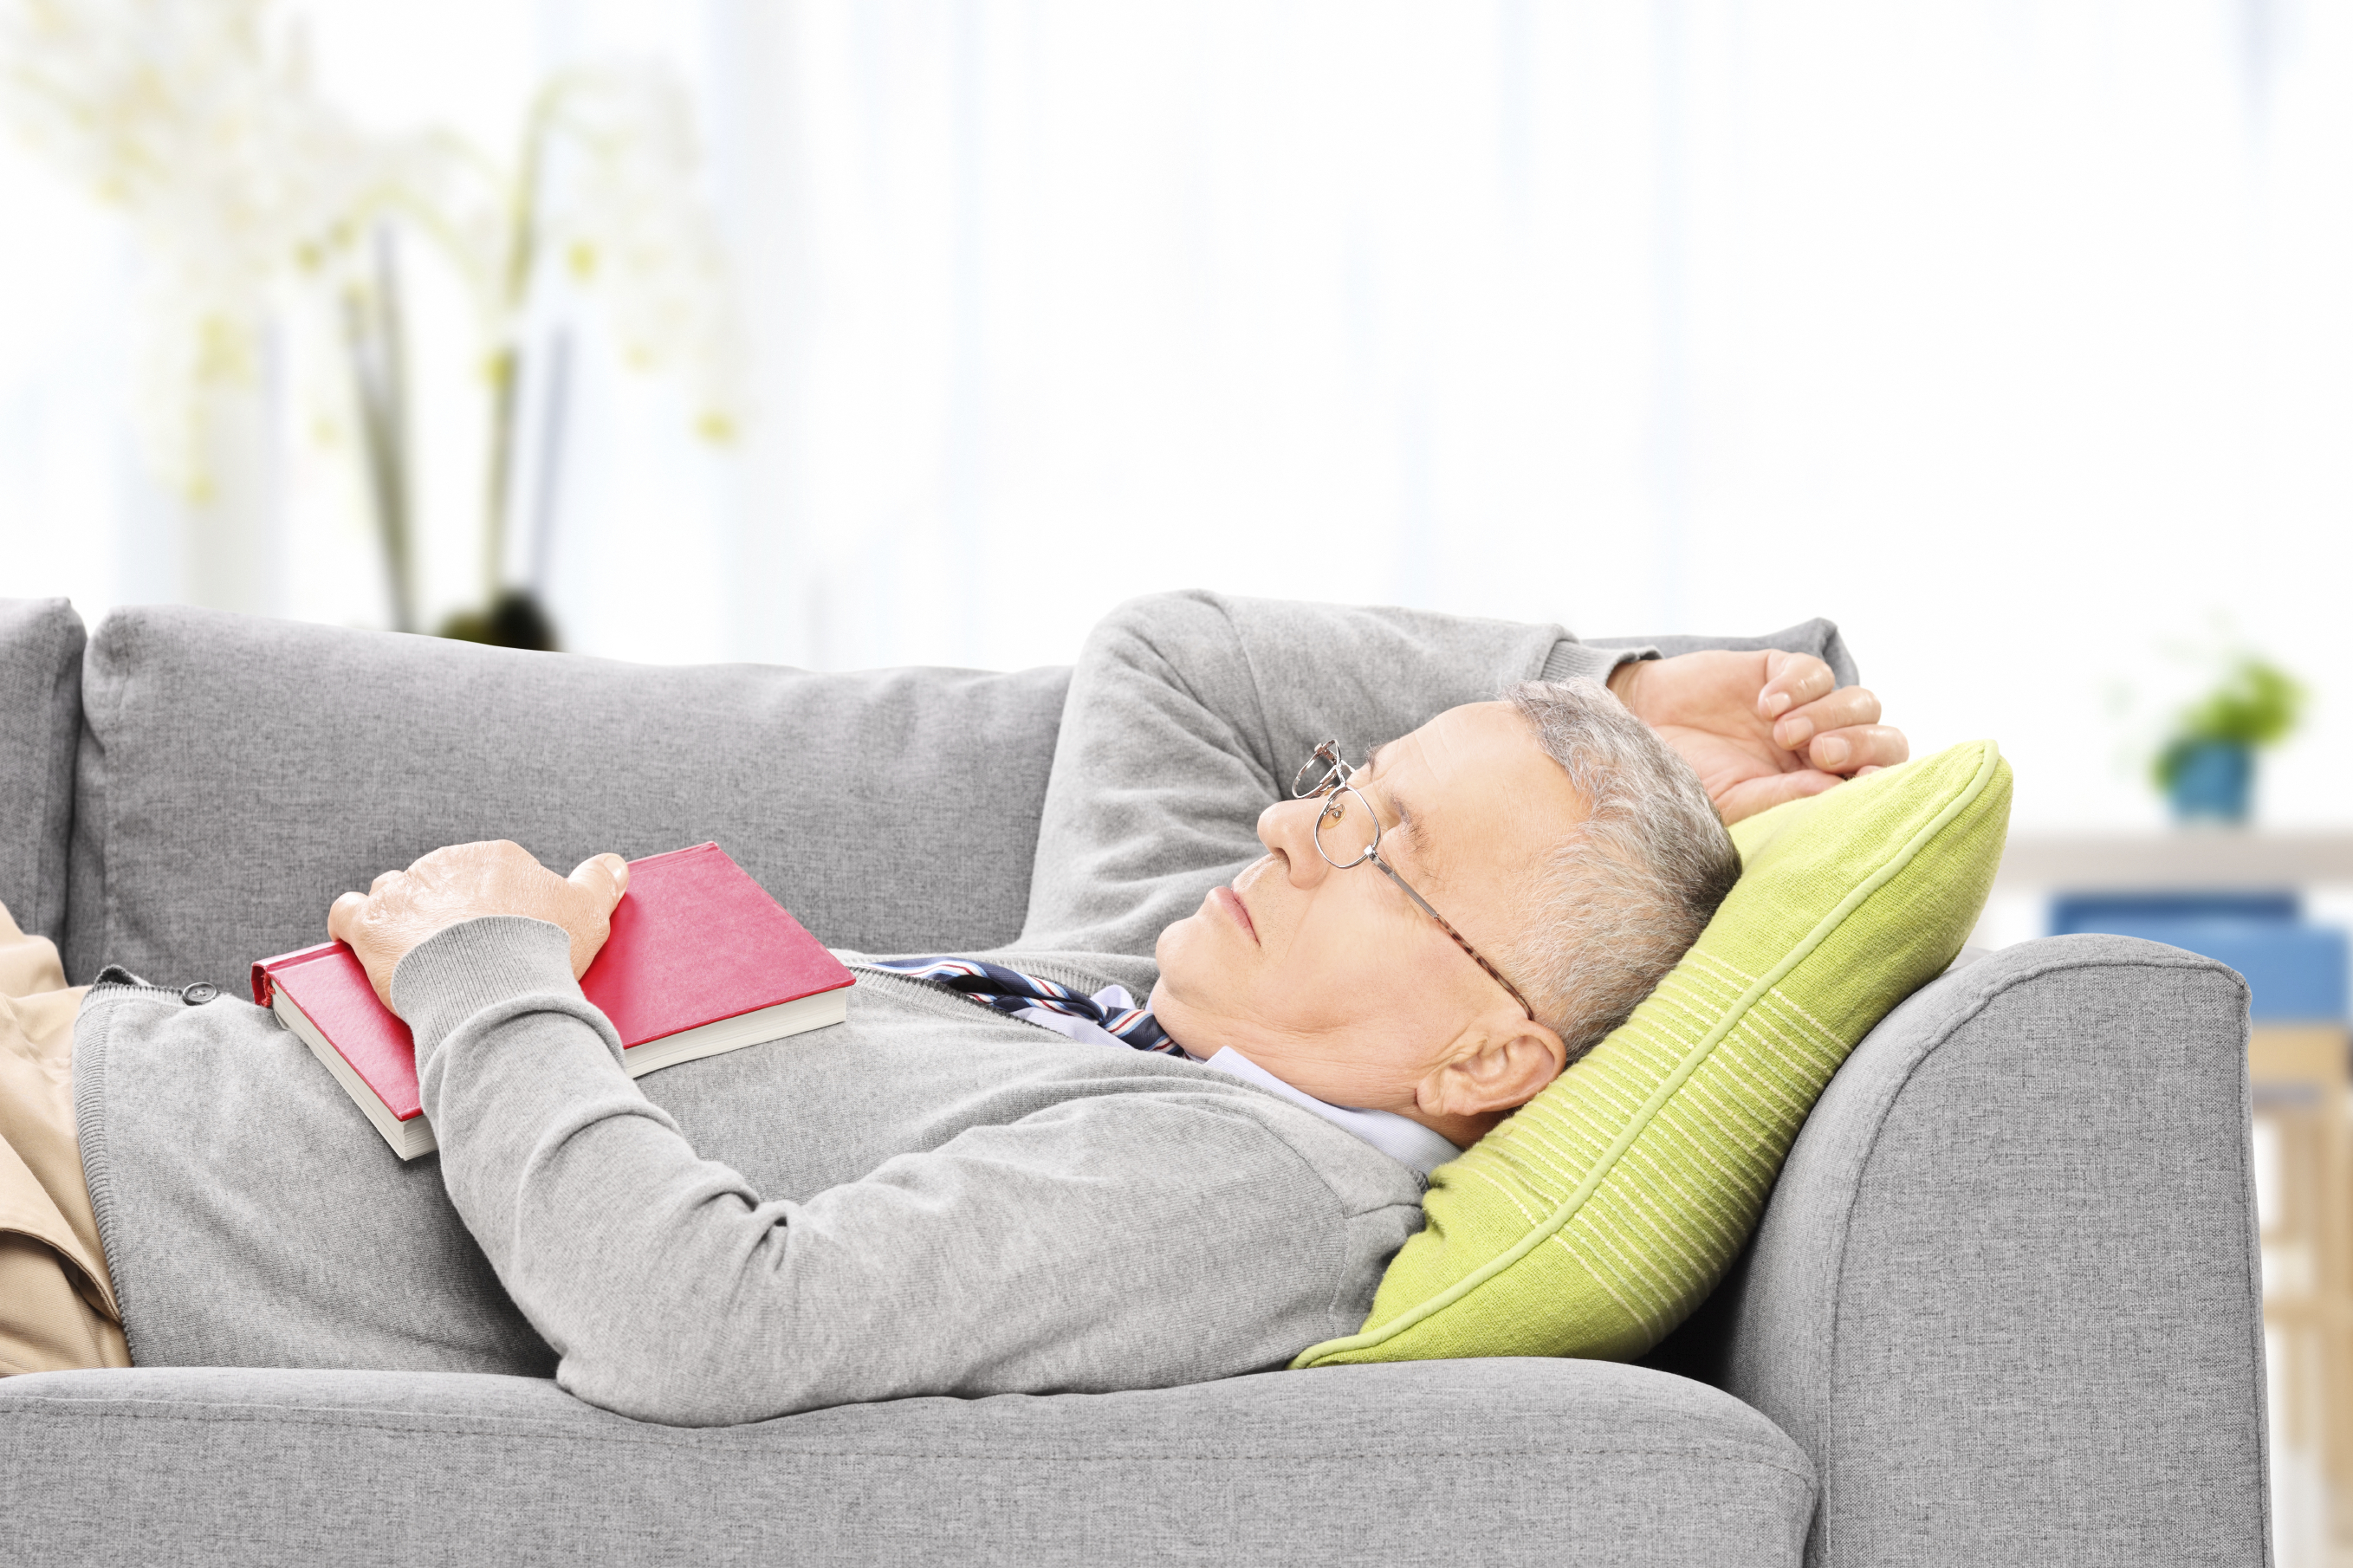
<point x="1476" y="790"/>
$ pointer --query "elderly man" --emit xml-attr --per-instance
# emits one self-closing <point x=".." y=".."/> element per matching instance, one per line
<point x="1001" y="1173"/>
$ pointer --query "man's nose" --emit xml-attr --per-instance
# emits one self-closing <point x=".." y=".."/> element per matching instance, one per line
<point x="1288" y="828"/>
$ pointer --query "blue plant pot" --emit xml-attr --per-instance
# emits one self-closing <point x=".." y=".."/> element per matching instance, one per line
<point x="2213" y="782"/>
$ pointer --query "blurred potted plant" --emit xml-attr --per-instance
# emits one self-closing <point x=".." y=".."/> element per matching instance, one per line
<point x="257" y="201"/>
<point x="2206" y="766"/>
<point x="626" y="223"/>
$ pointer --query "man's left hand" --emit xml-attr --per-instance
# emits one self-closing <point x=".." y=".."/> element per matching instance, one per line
<point x="1759" y="728"/>
<point x="402" y="909"/>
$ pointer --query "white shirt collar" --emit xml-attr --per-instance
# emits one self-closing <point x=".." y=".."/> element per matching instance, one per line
<point x="1401" y="1138"/>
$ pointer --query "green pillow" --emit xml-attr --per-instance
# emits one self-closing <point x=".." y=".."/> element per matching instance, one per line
<point x="1600" y="1213"/>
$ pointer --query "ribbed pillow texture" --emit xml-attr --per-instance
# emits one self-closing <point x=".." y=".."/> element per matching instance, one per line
<point x="1602" y="1213"/>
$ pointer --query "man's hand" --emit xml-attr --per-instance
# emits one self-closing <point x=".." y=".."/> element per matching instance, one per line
<point x="1759" y="728"/>
<point x="401" y="909"/>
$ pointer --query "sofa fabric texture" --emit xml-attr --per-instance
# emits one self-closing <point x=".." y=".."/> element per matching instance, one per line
<point x="1443" y="1465"/>
<point x="237" y="774"/>
<point x="40" y="718"/>
<point x="2008" y="1293"/>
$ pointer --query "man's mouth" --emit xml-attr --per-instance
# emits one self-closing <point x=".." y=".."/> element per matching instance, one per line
<point x="1233" y="904"/>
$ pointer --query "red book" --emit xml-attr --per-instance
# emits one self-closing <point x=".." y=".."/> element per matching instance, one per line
<point x="700" y="960"/>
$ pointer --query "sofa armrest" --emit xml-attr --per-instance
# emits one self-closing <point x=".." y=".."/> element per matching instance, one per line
<point x="2007" y="1293"/>
<point x="40" y="725"/>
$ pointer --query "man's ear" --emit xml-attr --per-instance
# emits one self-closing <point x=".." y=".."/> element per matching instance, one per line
<point x="1492" y="1069"/>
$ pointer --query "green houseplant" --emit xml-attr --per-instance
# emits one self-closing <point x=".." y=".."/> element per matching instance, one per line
<point x="2205" y="767"/>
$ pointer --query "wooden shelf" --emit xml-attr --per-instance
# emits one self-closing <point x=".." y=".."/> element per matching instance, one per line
<point x="2211" y="858"/>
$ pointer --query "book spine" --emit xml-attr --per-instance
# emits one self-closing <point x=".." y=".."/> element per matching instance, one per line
<point x="265" y="970"/>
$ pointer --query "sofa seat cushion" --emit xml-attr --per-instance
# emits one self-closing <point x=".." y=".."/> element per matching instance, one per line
<point x="1491" y="1462"/>
<point x="235" y="774"/>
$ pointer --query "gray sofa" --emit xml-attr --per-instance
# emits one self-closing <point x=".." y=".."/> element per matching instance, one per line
<point x="2003" y="1309"/>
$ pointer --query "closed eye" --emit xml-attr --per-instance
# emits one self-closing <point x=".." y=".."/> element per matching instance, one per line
<point x="1385" y="794"/>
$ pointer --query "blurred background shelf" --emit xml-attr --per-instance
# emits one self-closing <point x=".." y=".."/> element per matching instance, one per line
<point x="2216" y="858"/>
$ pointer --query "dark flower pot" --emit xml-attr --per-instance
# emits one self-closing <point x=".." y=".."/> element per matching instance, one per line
<point x="515" y="619"/>
<point x="2212" y="782"/>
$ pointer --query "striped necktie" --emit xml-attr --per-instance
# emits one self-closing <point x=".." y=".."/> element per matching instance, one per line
<point x="1010" y="991"/>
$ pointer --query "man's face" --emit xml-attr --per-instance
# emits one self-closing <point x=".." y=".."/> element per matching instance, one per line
<point x="1332" y="980"/>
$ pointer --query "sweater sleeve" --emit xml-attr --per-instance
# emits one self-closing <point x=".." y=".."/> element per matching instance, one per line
<point x="1189" y="713"/>
<point x="1816" y="637"/>
<point x="1127" y="1241"/>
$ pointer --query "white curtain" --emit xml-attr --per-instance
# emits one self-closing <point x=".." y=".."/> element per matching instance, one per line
<point x="2017" y="336"/>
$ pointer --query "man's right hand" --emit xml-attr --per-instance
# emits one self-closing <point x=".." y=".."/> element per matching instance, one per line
<point x="1759" y="728"/>
<point x="402" y="909"/>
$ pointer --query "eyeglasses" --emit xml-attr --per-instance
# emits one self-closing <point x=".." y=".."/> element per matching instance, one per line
<point x="1363" y="844"/>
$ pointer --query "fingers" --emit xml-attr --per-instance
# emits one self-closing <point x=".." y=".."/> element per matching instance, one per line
<point x="603" y="878"/>
<point x="1792" y="680"/>
<point x="1861" y="746"/>
<point x="1831" y="710"/>
<point x="1840" y="732"/>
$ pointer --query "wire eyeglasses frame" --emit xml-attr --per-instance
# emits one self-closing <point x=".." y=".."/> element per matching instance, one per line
<point x="1336" y="783"/>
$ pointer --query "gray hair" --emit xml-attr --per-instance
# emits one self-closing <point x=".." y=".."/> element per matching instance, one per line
<point x="1615" y="904"/>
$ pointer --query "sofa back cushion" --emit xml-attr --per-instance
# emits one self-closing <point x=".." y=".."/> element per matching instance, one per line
<point x="40" y="713"/>
<point x="236" y="774"/>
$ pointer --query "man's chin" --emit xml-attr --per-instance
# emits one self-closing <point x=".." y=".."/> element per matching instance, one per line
<point x="1178" y="953"/>
<point x="1170" y="1013"/>
<point x="1183" y="996"/>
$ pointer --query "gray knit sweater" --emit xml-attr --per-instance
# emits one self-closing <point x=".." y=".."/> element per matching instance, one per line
<point x="929" y="1199"/>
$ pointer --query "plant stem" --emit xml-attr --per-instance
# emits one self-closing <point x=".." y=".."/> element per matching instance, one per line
<point x="505" y="369"/>
<point x="503" y="377"/>
<point x="371" y="340"/>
